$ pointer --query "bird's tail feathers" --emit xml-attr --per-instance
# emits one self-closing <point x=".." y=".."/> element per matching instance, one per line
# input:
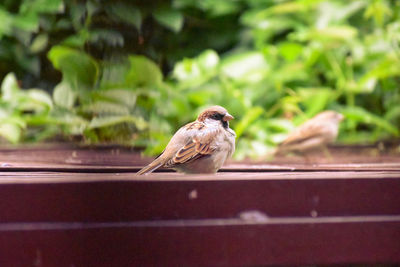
<point x="150" y="168"/>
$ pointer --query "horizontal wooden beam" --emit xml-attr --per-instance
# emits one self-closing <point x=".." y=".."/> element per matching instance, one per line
<point x="203" y="243"/>
<point x="64" y="158"/>
<point x="126" y="197"/>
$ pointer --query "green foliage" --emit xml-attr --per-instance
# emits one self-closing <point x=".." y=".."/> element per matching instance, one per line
<point x="16" y="106"/>
<point x="134" y="73"/>
<point x="78" y="69"/>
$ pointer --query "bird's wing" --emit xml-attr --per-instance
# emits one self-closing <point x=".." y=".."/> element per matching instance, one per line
<point x="304" y="132"/>
<point x="199" y="143"/>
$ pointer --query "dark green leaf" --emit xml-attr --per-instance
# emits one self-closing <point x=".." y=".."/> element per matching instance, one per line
<point x="143" y="72"/>
<point x="127" y="13"/>
<point x="169" y="18"/>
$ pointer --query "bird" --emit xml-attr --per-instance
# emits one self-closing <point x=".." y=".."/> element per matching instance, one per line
<point x="201" y="146"/>
<point x="316" y="132"/>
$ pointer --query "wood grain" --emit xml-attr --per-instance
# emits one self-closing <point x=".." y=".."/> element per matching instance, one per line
<point x="75" y="206"/>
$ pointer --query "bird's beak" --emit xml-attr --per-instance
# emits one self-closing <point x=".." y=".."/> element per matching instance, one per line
<point x="227" y="117"/>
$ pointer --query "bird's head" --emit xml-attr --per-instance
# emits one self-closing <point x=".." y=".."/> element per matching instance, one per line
<point x="217" y="113"/>
<point x="331" y="116"/>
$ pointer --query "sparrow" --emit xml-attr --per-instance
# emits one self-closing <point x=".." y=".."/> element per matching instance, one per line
<point x="201" y="146"/>
<point x="318" y="131"/>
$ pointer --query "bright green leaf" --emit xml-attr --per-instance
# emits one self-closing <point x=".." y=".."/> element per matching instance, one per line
<point x="290" y="51"/>
<point x="208" y="60"/>
<point x="64" y="96"/>
<point x="40" y="97"/>
<point x="9" y="87"/>
<point x="10" y="131"/>
<point x="248" y="66"/>
<point x="78" y="68"/>
<point x="42" y="6"/>
<point x="251" y="115"/>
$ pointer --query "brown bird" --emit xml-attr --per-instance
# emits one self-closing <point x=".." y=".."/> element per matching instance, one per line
<point x="201" y="146"/>
<point x="318" y="131"/>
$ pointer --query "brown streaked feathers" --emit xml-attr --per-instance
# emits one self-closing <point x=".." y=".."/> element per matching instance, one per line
<point x="318" y="131"/>
<point x="199" y="146"/>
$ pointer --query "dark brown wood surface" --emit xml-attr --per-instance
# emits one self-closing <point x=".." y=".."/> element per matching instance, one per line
<point x="85" y="207"/>
<point x="203" y="243"/>
<point x="126" y="197"/>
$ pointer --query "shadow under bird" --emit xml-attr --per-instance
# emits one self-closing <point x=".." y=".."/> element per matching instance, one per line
<point x="317" y="132"/>
<point x="201" y="146"/>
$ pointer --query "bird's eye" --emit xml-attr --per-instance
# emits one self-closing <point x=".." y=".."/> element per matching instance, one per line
<point x="216" y="116"/>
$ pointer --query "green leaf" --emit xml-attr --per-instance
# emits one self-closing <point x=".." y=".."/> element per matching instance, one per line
<point x="208" y="60"/>
<point x="388" y="67"/>
<point x="127" y="13"/>
<point x="187" y="69"/>
<point x="315" y="99"/>
<point x="42" y="6"/>
<point x="39" y="98"/>
<point x="279" y="125"/>
<point x="6" y="22"/>
<point x="28" y="22"/>
<point x="334" y="12"/>
<point x="169" y="18"/>
<point x="393" y="113"/>
<point x="64" y="96"/>
<point x="251" y="115"/>
<point x="105" y="108"/>
<point x="39" y="43"/>
<point x="114" y="74"/>
<point x="10" y="131"/>
<point x="78" y="68"/>
<point x="328" y="34"/>
<point x="196" y="71"/>
<point x="123" y="96"/>
<point x="271" y="25"/>
<point x="361" y="115"/>
<point x="143" y="72"/>
<point x="9" y="87"/>
<point x="289" y="7"/>
<point x="106" y="121"/>
<point x="290" y="51"/>
<point x="247" y="66"/>
<point x="77" y="15"/>
<point x="379" y="11"/>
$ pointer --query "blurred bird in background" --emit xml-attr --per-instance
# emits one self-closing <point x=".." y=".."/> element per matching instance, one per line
<point x="316" y="133"/>
<point x="201" y="146"/>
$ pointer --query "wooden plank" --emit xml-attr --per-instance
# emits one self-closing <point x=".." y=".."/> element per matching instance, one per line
<point x="108" y="159"/>
<point x="197" y="243"/>
<point x="124" y="197"/>
<point x="77" y="176"/>
<point x="91" y="210"/>
<point x="230" y="167"/>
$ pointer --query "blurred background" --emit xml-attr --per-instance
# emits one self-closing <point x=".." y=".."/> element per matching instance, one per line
<point x="132" y="72"/>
